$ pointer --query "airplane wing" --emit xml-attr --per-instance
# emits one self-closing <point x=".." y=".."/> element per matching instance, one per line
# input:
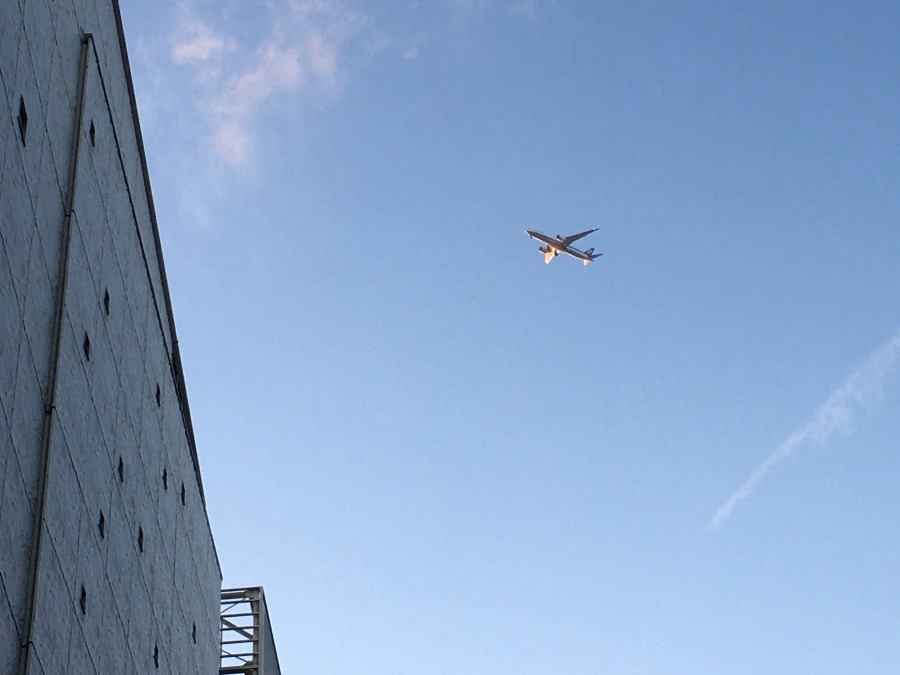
<point x="575" y="237"/>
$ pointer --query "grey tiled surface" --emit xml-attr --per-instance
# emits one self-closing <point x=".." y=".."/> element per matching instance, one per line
<point x="106" y="408"/>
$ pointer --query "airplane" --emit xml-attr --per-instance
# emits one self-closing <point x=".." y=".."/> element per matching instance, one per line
<point x="556" y="245"/>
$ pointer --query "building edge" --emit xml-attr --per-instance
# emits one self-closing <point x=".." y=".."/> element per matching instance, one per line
<point x="175" y="354"/>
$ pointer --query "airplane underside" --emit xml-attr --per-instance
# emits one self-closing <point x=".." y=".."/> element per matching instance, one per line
<point x="551" y="253"/>
<point x="553" y="247"/>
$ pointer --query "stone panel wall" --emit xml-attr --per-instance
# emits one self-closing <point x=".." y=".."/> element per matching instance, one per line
<point x="127" y="579"/>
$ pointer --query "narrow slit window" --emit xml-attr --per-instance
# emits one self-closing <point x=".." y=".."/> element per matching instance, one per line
<point x="165" y="478"/>
<point x="92" y="132"/>
<point x="194" y="632"/>
<point x="158" y="396"/>
<point x="82" y="601"/>
<point x="183" y="500"/>
<point x="141" y="539"/>
<point x="86" y="345"/>
<point x="23" y="119"/>
<point x="156" y="656"/>
<point x="101" y="525"/>
<point x="121" y="470"/>
<point x="106" y="301"/>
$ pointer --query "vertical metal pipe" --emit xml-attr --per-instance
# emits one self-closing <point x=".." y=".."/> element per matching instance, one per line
<point x="37" y="536"/>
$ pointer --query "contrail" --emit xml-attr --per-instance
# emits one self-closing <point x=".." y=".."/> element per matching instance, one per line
<point x="859" y="391"/>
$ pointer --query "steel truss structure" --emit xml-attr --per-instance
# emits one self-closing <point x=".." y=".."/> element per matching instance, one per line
<point x="246" y="635"/>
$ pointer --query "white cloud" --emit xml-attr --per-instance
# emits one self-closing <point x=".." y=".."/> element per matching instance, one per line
<point x="303" y="47"/>
<point x="414" y="45"/>
<point x="860" y="391"/>
<point x="476" y="8"/>
<point x="472" y="5"/>
<point x="194" y="42"/>
<point x="524" y="8"/>
<point x="244" y="61"/>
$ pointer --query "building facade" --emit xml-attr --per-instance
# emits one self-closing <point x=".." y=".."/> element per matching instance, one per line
<point x="107" y="561"/>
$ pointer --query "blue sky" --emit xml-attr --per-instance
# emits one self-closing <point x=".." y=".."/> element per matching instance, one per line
<point x="440" y="455"/>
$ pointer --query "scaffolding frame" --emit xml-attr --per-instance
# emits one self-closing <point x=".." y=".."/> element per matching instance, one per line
<point x="240" y="631"/>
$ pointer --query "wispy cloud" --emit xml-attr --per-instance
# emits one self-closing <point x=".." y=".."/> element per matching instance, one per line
<point x="860" y="391"/>
<point x="244" y="62"/>
<point x="302" y="47"/>
<point x="195" y="43"/>
<point x="414" y="45"/>
<point x="478" y="8"/>
<point x="524" y="8"/>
